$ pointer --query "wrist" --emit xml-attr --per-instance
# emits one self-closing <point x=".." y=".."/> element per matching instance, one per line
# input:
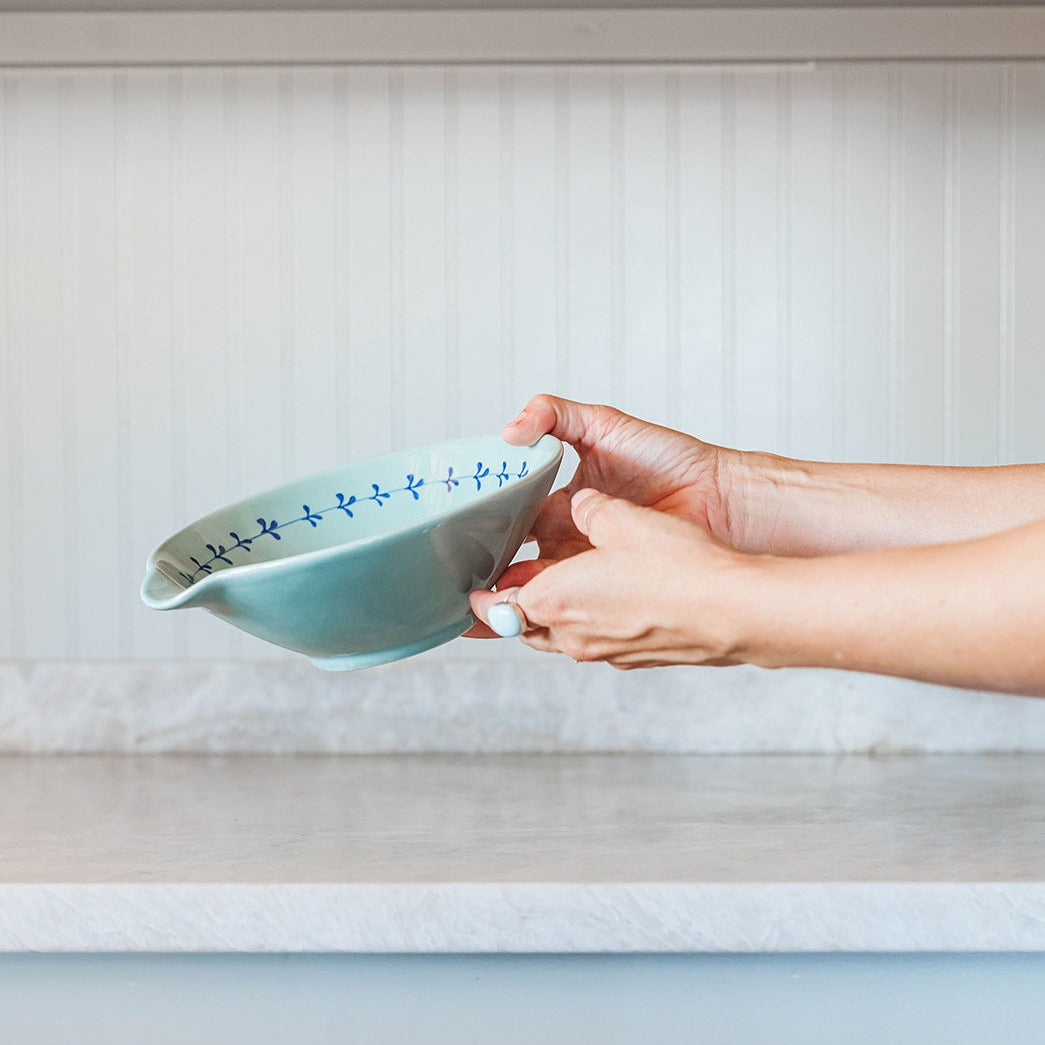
<point x="746" y="602"/>
<point x="752" y="487"/>
<point x="778" y="618"/>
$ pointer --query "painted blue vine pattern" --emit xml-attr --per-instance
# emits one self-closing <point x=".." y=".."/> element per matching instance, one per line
<point x="348" y="506"/>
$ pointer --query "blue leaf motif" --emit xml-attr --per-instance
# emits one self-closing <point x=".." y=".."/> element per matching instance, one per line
<point x="269" y="529"/>
<point x="218" y="553"/>
<point x="202" y="565"/>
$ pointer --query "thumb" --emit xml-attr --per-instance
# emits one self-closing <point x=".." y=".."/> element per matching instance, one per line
<point x="604" y="519"/>
<point x="563" y="418"/>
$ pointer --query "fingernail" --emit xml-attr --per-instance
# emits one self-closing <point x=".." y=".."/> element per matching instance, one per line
<point x="517" y="420"/>
<point x="581" y="497"/>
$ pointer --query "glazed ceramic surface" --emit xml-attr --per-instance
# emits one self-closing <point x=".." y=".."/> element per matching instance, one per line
<point x="364" y="564"/>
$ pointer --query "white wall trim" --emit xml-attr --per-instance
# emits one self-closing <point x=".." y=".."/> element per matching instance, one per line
<point x="420" y="37"/>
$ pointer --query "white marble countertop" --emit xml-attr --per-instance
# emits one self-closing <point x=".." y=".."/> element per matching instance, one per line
<point x="522" y="853"/>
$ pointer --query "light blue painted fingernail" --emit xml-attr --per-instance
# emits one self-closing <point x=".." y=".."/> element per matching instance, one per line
<point x="504" y="620"/>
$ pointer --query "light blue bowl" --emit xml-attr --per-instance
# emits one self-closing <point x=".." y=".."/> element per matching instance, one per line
<point x="364" y="564"/>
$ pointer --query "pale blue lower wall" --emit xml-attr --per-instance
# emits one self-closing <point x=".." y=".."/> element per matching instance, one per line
<point x="610" y="1000"/>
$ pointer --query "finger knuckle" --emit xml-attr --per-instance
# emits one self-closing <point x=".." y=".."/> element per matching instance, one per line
<point x="541" y="401"/>
<point x="605" y="417"/>
<point x="580" y="649"/>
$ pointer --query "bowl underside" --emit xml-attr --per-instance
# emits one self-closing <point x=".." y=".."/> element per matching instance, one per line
<point x="355" y="661"/>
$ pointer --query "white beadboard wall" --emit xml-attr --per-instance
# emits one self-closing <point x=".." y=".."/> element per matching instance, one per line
<point x="214" y="279"/>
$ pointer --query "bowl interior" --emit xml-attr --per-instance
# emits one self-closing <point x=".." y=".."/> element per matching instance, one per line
<point x="359" y="501"/>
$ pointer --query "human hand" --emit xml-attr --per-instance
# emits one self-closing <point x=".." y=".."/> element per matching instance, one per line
<point x="651" y="590"/>
<point x="622" y="456"/>
<point x="646" y="464"/>
<point x="657" y="590"/>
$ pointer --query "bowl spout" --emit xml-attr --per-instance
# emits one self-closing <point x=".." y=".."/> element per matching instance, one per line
<point x="164" y="588"/>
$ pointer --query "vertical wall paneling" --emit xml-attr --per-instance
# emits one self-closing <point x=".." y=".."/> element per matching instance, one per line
<point x="451" y="254"/>
<point x="12" y="635"/>
<point x="589" y="235"/>
<point x="212" y="279"/>
<point x="951" y="264"/>
<point x="1028" y="265"/>
<point x="1006" y="266"/>
<point x="480" y="287"/>
<point x="69" y="343"/>
<point x="809" y="249"/>
<point x="421" y="387"/>
<point x="895" y="264"/>
<point x="728" y="227"/>
<point x="397" y="258"/>
<point x="130" y="553"/>
<point x="286" y="269"/>
<point x="561" y="93"/>
<point x="976" y="208"/>
<point x="6" y="455"/>
<point x="924" y="125"/>
<point x="701" y="243"/>
<point x="672" y="234"/>
<point x="864" y="269"/>
<point x="785" y="160"/>
<point x="232" y="276"/>
<point x="534" y="254"/>
<point x="143" y="250"/>
<point x="46" y="604"/>
<point x="618" y="303"/>
<point x="368" y="255"/>
<point x="92" y="368"/>
<point x="839" y="281"/>
<point x="265" y="422"/>
<point x="312" y="235"/>
<point x="756" y="256"/>
<point x="644" y="286"/>
<point x="341" y="130"/>
<point x="507" y="183"/>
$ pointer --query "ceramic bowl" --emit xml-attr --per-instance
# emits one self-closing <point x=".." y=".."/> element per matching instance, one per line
<point x="367" y="563"/>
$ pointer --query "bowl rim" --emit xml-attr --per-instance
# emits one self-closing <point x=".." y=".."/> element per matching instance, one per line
<point x="553" y="461"/>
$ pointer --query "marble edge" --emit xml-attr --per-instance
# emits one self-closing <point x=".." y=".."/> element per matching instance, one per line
<point x="446" y="918"/>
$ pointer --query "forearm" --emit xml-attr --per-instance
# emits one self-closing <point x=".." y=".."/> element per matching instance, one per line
<point x="968" y="614"/>
<point x="786" y="507"/>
